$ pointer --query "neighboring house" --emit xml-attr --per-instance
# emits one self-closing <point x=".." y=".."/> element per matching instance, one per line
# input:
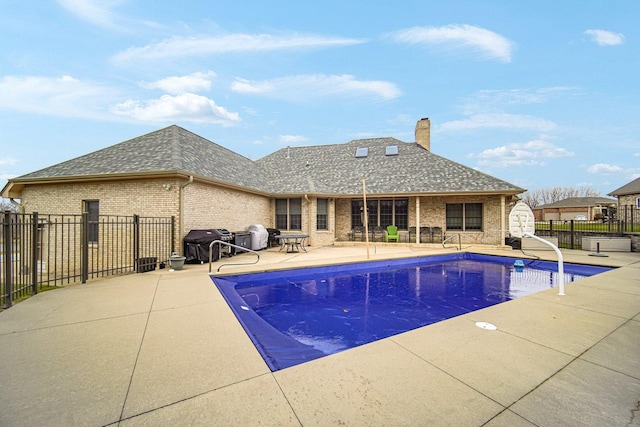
<point x="628" y="194"/>
<point x="628" y="201"/>
<point x="586" y="208"/>
<point x="314" y="190"/>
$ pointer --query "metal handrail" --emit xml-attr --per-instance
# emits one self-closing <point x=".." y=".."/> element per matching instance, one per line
<point x="450" y="238"/>
<point x="220" y="242"/>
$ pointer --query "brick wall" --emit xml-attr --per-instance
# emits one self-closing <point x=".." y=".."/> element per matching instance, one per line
<point x="141" y="197"/>
<point x="433" y="214"/>
<point x="207" y="206"/>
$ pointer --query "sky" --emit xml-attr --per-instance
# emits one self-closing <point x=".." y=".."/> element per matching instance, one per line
<point x="540" y="94"/>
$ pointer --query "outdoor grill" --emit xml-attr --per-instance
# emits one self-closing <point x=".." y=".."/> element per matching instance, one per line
<point x="225" y="236"/>
<point x="196" y="245"/>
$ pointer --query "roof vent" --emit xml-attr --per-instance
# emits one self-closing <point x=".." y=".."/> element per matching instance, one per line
<point x="362" y="152"/>
<point x="391" y="150"/>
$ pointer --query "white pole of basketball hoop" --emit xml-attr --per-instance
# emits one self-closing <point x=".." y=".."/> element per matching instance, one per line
<point x="520" y="210"/>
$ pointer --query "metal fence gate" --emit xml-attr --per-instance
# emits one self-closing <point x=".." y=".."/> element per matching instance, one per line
<point x="38" y="251"/>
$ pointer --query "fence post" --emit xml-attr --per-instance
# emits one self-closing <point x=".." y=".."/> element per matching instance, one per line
<point x="34" y="253"/>
<point x="571" y="236"/>
<point x="173" y="234"/>
<point x="8" y="257"/>
<point x="84" y="246"/>
<point x="136" y="242"/>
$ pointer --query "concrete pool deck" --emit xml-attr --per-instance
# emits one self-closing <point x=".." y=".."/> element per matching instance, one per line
<point x="163" y="348"/>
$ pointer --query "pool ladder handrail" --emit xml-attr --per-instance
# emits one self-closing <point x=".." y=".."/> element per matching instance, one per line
<point x="221" y="242"/>
<point x="459" y="248"/>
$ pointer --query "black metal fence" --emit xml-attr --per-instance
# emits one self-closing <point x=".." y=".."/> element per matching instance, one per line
<point x="38" y="251"/>
<point x="571" y="232"/>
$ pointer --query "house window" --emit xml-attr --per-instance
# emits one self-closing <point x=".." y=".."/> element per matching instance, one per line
<point x="382" y="212"/>
<point x="322" y="214"/>
<point x="92" y="207"/>
<point x="386" y="212"/>
<point x="401" y="213"/>
<point x="289" y="214"/>
<point x="464" y="216"/>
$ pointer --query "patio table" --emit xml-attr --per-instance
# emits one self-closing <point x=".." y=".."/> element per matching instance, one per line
<point x="292" y="242"/>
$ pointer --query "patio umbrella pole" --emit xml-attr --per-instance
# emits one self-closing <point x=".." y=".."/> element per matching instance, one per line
<point x="366" y="217"/>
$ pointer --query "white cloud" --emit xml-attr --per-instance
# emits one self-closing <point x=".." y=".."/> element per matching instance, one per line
<point x="484" y="100"/>
<point x="184" y="107"/>
<point x="487" y="43"/>
<point x="195" y="82"/>
<point x="530" y="153"/>
<point x="96" y="12"/>
<point x="605" y="38"/>
<point x="500" y="121"/>
<point x="314" y="86"/>
<point x="200" y="46"/>
<point x="7" y="161"/>
<point x="604" y="169"/>
<point x="63" y="96"/>
<point x="292" y="139"/>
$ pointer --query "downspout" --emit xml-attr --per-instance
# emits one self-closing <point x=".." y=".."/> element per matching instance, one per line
<point x="181" y="213"/>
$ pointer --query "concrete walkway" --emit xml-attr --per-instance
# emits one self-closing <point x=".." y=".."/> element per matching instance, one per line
<point x="163" y="348"/>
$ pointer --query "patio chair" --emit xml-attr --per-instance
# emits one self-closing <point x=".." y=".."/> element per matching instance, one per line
<point x="358" y="230"/>
<point x="425" y="235"/>
<point x="437" y="231"/>
<point x="377" y="233"/>
<point x="392" y="234"/>
<point x="412" y="234"/>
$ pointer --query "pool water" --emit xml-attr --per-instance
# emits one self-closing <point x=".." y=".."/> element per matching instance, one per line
<point x="294" y="316"/>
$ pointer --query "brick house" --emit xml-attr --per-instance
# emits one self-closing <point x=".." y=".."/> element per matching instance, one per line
<point x="591" y="208"/>
<point x="628" y="194"/>
<point x="314" y="190"/>
<point x="628" y="201"/>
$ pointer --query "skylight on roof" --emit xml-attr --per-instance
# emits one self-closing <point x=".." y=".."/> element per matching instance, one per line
<point x="362" y="152"/>
<point x="392" y="150"/>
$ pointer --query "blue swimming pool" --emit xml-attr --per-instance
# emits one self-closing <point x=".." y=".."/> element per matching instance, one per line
<point x="294" y="316"/>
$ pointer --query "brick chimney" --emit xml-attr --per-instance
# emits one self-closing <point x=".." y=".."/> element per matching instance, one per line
<point x="423" y="133"/>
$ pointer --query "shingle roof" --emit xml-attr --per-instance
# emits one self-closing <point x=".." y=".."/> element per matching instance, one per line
<point x="631" y="188"/>
<point x="579" y="202"/>
<point x="334" y="169"/>
<point x="322" y="169"/>
<point x="170" y="149"/>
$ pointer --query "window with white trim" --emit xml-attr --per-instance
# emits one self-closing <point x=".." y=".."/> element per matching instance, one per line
<point x="289" y="214"/>
<point x="464" y="216"/>
<point x="322" y="214"/>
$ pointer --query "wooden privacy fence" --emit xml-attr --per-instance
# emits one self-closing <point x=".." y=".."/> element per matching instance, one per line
<point x="38" y="251"/>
